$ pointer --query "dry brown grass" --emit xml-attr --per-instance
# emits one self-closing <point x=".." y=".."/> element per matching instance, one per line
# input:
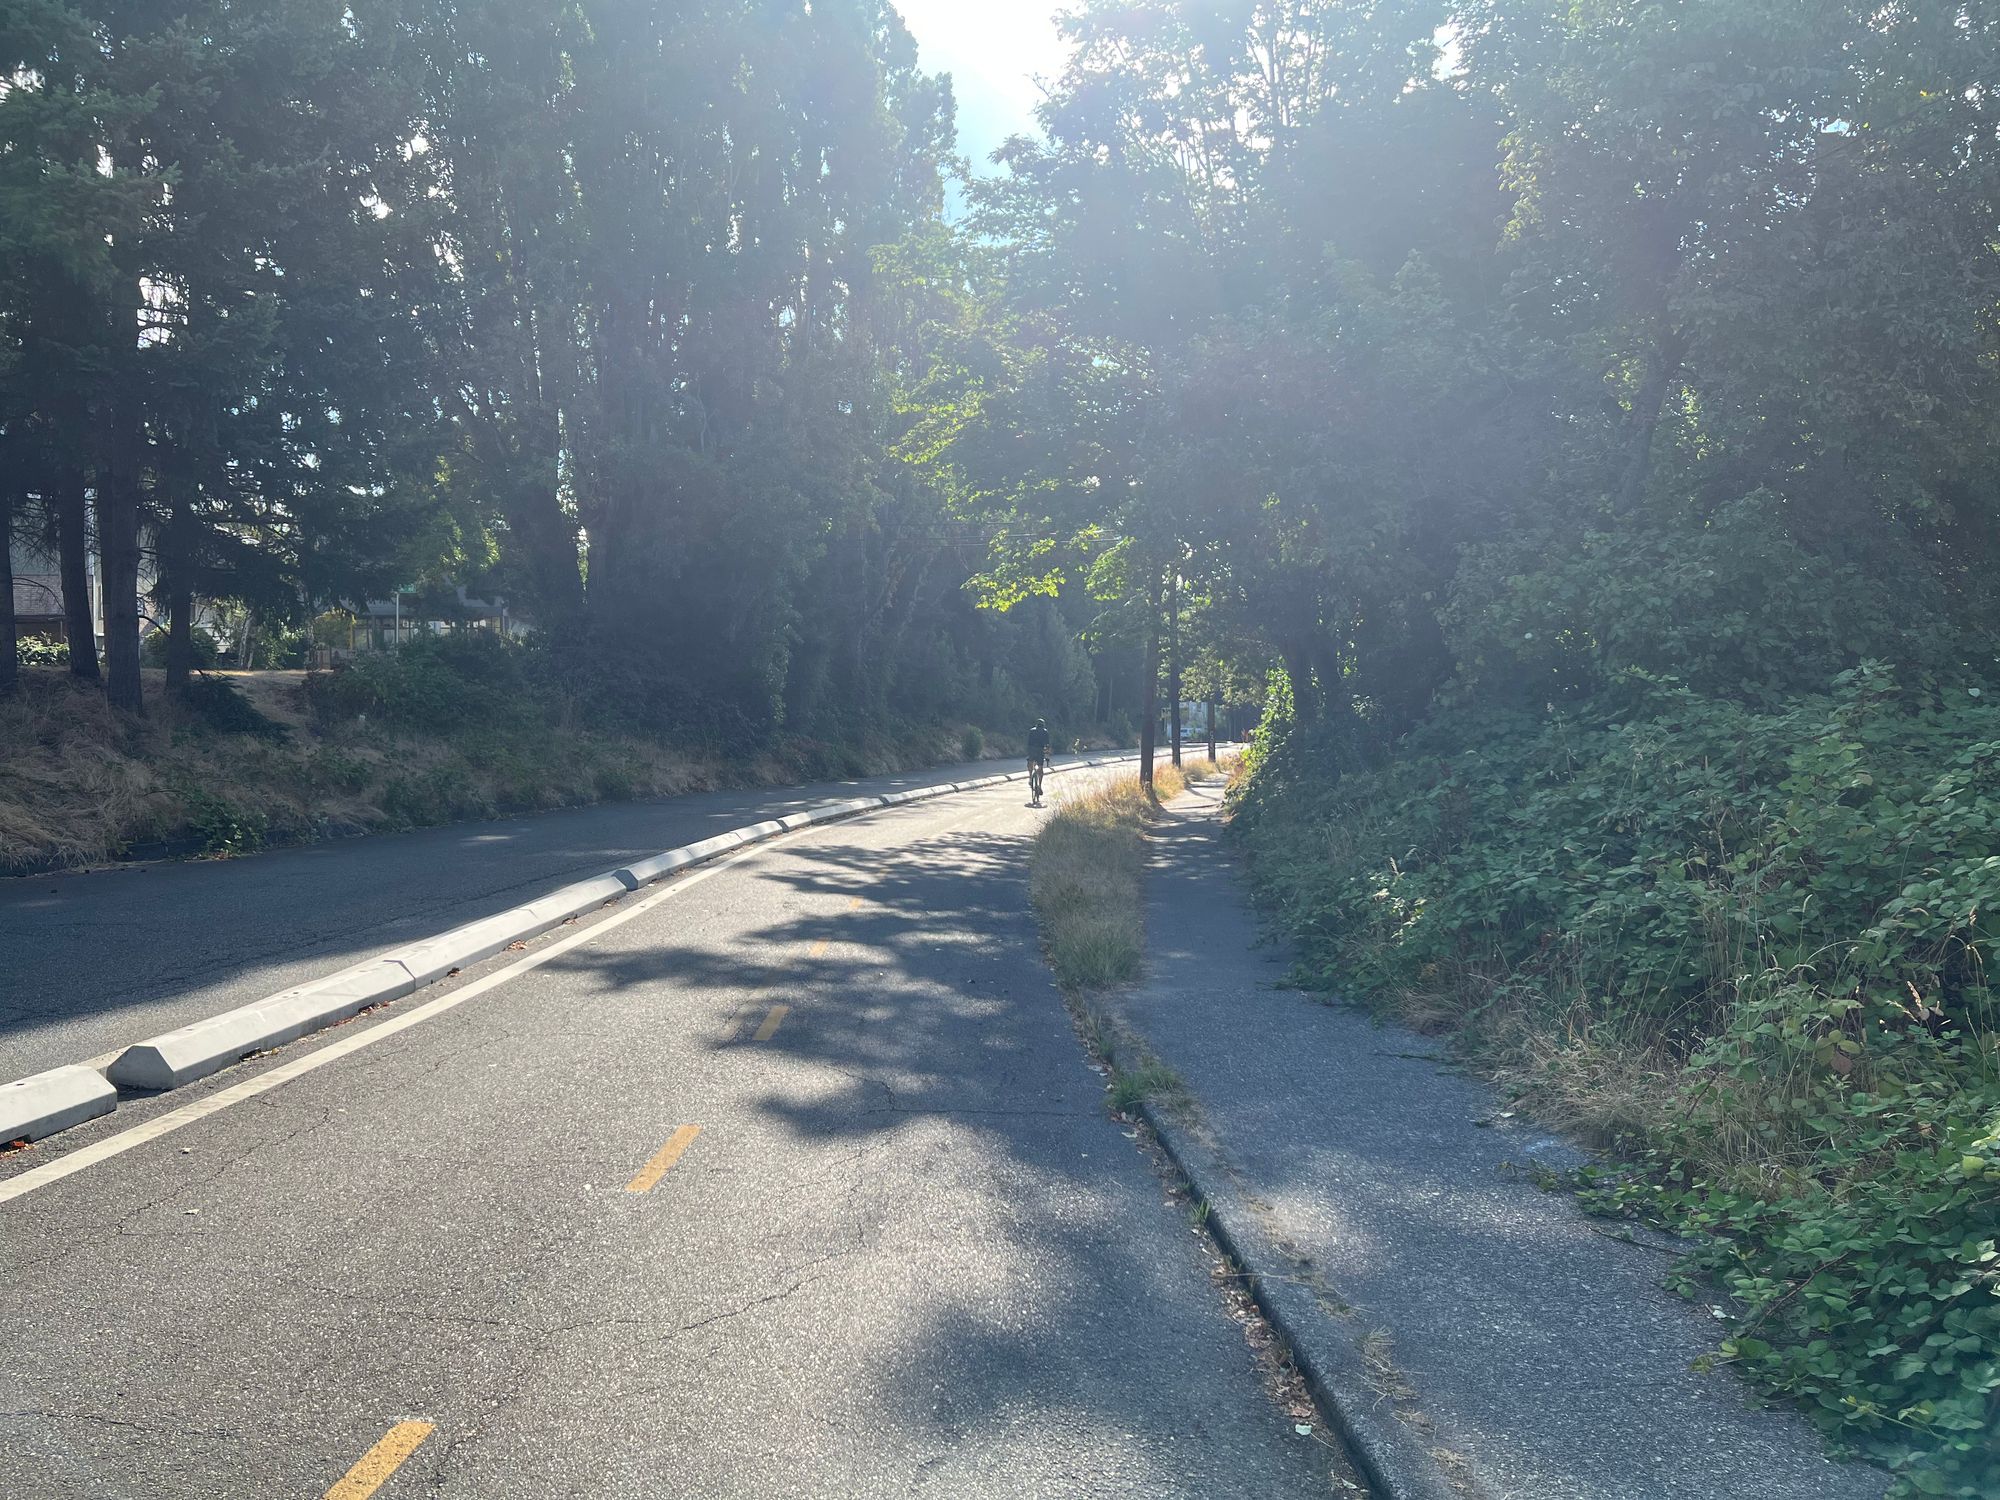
<point x="1085" y="876"/>
<point x="1560" y="1059"/>
<point x="1084" y="881"/>
<point x="80" y="785"/>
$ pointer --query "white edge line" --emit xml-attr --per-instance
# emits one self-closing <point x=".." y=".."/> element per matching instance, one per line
<point x="117" y="1145"/>
<point x="753" y="839"/>
<point x="68" y="1165"/>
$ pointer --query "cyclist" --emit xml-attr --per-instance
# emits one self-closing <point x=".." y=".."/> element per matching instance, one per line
<point x="1038" y="758"/>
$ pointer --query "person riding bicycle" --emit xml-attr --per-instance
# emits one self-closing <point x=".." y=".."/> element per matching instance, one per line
<point x="1038" y="756"/>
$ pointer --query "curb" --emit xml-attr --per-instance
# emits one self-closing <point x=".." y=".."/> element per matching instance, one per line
<point x="44" y="1103"/>
<point x="1392" y="1457"/>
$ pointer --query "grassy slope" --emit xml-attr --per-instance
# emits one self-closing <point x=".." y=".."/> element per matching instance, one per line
<point x="1744" y="950"/>
<point x="79" y="786"/>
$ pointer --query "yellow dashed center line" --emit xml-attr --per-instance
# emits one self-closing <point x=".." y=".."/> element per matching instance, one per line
<point x="772" y="1022"/>
<point x="819" y="947"/>
<point x="380" y="1461"/>
<point x="854" y="903"/>
<point x="730" y="1028"/>
<point x="664" y="1158"/>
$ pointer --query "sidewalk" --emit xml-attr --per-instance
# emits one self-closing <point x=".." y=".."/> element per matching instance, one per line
<point x="1543" y="1358"/>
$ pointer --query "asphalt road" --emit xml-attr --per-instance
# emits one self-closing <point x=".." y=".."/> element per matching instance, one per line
<point x="906" y="1251"/>
<point x="92" y="962"/>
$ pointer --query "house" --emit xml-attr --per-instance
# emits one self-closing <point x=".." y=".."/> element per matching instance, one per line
<point x="38" y="597"/>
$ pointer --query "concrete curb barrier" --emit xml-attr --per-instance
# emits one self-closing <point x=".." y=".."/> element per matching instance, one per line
<point x="43" y="1103"/>
<point x="48" y="1102"/>
<point x="203" y="1047"/>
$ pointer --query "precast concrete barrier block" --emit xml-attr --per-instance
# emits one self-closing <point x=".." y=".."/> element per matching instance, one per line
<point x="200" y="1048"/>
<point x="43" y="1103"/>
<point x="307" y="1008"/>
<point x="721" y="843"/>
<point x="826" y="812"/>
<point x="574" y="900"/>
<point x="644" y="871"/>
<point x="434" y="958"/>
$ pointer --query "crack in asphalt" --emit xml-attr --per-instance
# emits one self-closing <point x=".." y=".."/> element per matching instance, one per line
<point x="97" y="1419"/>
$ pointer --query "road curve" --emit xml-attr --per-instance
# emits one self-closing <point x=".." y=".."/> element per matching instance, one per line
<point x="92" y="962"/>
<point x="794" y="1182"/>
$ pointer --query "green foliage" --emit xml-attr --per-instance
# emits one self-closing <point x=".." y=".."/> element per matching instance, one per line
<point x="334" y="770"/>
<point x="33" y="651"/>
<point x="445" y="793"/>
<point x="220" y="825"/>
<point x="217" y="705"/>
<point x="203" y="650"/>
<point x="442" y="684"/>
<point x="1730" y="607"/>
<point x="972" y="743"/>
<point x="1865" y="1290"/>
<point x="1793" y="905"/>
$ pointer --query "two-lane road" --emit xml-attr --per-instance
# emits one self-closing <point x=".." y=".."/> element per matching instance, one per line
<point x="90" y="963"/>
<point x="788" y="1178"/>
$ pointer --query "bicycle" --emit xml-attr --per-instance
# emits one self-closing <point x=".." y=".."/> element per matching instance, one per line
<point x="1035" y="768"/>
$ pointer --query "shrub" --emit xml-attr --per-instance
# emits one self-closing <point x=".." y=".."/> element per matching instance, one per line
<point x="442" y="794"/>
<point x="613" y="783"/>
<point x="436" y="684"/>
<point x="222" y="826"/>
<point x="33" y="651"/>
<point x="972" y="743"/>
<point x="217" y="704"/>
<point x="1778" y="917"/>
<point x="203" y="651"/>
<point x="336" y="771"/>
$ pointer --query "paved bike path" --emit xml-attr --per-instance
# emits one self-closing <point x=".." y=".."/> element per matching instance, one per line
<point x="1548" y="1357"/>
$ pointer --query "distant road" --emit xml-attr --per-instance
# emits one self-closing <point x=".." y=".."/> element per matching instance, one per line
<point x="91" y="962"/>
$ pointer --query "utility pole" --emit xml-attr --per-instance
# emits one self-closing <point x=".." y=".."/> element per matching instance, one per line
<point x="1149" y="716"/>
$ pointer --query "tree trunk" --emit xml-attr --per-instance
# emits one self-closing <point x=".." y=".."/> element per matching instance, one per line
<point x="1149" y="717"/>
<point x="1662" y="369"/>
<point x="1174" y="659"/>
<point x="177" y="595"/>
<point x="73" y="554"/>
<point x="1298" y="671"/>
<point x="180" y="637"/>
<point x="1214" y="709"/>
<point x="10" y="645"/>
<point x="118" y="551"/>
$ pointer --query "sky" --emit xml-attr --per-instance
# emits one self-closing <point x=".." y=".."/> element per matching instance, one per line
<point x="993" y="50"/>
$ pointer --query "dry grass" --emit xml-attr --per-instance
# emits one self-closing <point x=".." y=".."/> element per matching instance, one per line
<point x="80" y="785"/>
<point x="1085" y="878"/>
<point x="1085" y="884"/>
